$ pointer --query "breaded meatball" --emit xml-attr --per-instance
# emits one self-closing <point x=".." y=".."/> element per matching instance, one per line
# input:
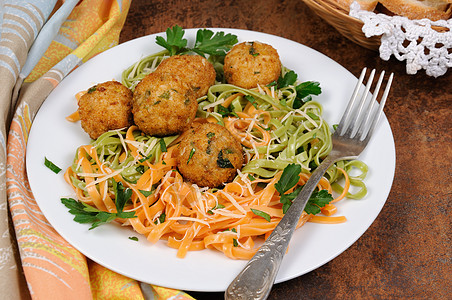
<point x="194" y="69"/>
<point x="105" y="106"/>
<point x="209" y="155"/>
<point x="163" y="104"/>
<point x="251" y="63"/>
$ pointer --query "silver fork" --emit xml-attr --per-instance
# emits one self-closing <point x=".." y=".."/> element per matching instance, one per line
<point x="349" y="140"/>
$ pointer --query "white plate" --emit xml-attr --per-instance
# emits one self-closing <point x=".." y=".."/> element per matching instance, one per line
<point x="312" y="246"/>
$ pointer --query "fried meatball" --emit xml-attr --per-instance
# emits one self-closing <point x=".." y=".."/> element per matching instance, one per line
<point x="105" y="106"/>
<point x="209" y="155"/>
<point x="194" y="69"/>
<point x="251" y="63"/>
<point x="163" y="104"/>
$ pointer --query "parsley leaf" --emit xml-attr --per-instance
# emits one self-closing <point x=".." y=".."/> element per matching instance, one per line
<point x="317" y="200"/>
<point x="305" y="90"/>
<point x="85" y="214"/>
<point x="288" y="79"/>
<point x="287" y="199"/>
<point x="289" y="178"/>
<point x="122" y="196"/>
<point x="174" y="43"/>
<point x="208" y="43"/>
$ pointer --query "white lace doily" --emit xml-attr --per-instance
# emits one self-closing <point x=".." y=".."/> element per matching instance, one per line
<point x="412" y="40"/>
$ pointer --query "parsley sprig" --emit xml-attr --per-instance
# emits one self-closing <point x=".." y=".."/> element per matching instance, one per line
<point x="289" y="179"/>
<point x="86" y="214"/>
<point x="207" y="42"/>
<point x="305" y="90"/>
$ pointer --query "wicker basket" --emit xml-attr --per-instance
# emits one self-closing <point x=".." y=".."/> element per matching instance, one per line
<point x="348" y="26"/>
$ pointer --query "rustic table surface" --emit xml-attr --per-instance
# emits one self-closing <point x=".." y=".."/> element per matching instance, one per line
<point x="406" y="253"/>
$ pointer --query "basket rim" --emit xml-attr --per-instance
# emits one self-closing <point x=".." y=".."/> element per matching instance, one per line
<point x="329" y="6"/>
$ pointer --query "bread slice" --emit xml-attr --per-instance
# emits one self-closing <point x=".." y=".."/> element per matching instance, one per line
<point x="364" y="4"/>
<point x="420" y="9"/>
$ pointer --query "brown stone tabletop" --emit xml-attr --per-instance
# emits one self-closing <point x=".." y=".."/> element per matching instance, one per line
<point x="406" y="253"/>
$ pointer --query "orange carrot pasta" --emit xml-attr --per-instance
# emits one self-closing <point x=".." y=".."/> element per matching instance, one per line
<point x="166" y="207"/>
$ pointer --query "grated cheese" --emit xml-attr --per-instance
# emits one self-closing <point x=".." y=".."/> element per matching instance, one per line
<point x="235" y="203"/>
<point x="189" y="219"/>
<point x="220" y="101"/>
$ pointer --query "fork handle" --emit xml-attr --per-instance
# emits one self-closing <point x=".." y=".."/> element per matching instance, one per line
<point x="258" y="276"/>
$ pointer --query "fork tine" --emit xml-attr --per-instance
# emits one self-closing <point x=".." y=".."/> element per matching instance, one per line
<point x="363" y="125"/>
<point x="380" y="107"/>
<point x="344" y="120"/>
<point x="357" y="118"/>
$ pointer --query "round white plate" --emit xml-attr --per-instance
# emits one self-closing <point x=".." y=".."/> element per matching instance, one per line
<point x="312" y="245"/>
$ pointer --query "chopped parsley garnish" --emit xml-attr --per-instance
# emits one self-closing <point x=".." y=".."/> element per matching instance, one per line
<point x="192" y="152"/>
<point x="55" y="169"/>
<point x="261" y="214"/>
<point x="163" y="145"/>
<point x="210" y="211"/>
<point x="288" y="180"/>
<point x="252" y="50"/>
<point x="165" y="95"/>
<point x="145" y="158"/>
<point x="251" y="100"/>
<point x="133" y="238"/>
<point x="207" y="42"/>
<point x="146" y="193"/>
<point x="92" y="89"/>
<point x="223" y="162"/>
<point x="226" y="111"/>
<point x="85" y="213"/>
<point x="160" y="219"/>
<point x="140" y="169"/>
<point x="210" y="135"/>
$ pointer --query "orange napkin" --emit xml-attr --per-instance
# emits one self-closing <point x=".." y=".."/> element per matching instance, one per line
<point x="40" y="43"/>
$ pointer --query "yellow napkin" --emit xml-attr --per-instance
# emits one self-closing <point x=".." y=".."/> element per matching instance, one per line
<point x="40" y="43"/>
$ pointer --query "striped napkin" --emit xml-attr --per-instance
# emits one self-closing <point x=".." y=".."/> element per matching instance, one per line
<point x="41" y="41"/>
